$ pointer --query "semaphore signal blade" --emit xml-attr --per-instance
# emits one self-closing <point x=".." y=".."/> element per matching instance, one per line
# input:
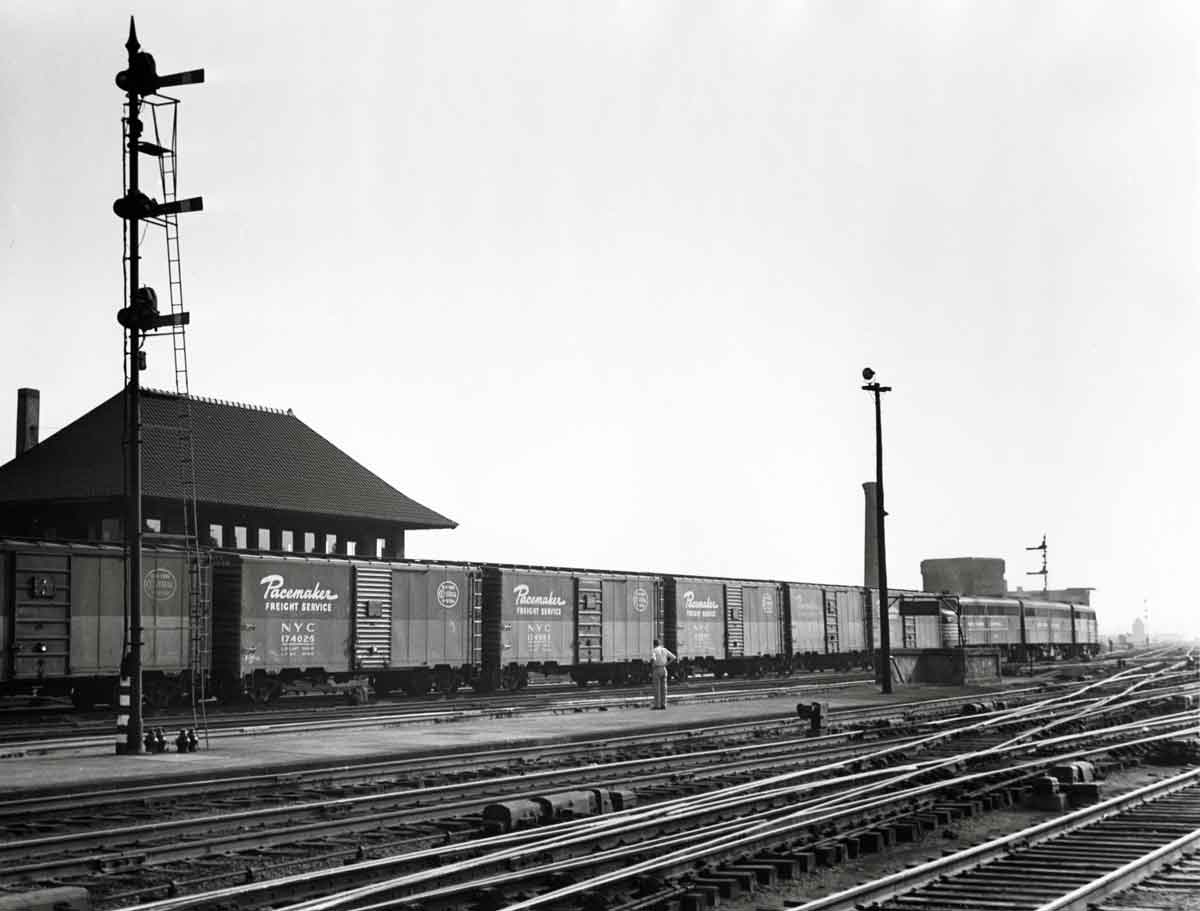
<point x="187" y="78"/>
<point x="195" y="204"/>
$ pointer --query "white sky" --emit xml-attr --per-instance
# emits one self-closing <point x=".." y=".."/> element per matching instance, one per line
<point x="597" y="279"/>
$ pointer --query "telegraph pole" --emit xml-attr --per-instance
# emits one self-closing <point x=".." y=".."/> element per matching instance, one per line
<point x="140" y="318"/>
<point x="885" y="634"/>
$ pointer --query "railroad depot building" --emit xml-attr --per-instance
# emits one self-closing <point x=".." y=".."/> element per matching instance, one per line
<point x="264" y="480"/>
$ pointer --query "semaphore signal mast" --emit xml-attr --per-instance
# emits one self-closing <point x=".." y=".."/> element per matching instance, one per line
<point x="141" y="318"/>
<point x="1043" y="572"/>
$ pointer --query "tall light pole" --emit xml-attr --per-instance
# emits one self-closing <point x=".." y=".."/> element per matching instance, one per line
<point x="885" y="636"/>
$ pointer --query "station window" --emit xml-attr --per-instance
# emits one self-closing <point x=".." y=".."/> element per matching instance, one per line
<point x="154" y="525"/>
<point x="286" y="541"/>
<point x="310" y="542"/>
<point x="239" y="537"/>
<point x="215" y="535"/>
<point x="110" y="529"/>
<point x="380" y="544"/>
<point x="264" y="539"/>
<point x="351" y="548"/>
<point x="331" y="544"/>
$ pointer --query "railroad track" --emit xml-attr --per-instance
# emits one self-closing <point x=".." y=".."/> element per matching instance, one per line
<point x="99" y="735"/>
<point x="268" y="722"/>
<point x="650" y="857"/>
<point x="1067" y="863"/>
<point x="17" y="721"/>
<point x="698" y="791"/>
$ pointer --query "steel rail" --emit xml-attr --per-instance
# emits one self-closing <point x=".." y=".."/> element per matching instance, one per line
<point x="722" y="761"/>
<point x="18" y="749"/>
<point x="1128" y="875"/>
<point x="497" y="785"/>
<point x="40" y="802"/>
<point x="656" y="809"/>
<point x="612" y="826"/>
<point x="905" y="881"/>
<point x="698" y="844"/>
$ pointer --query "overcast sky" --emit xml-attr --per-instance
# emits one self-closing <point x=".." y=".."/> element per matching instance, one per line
<point x="597" y="279"/>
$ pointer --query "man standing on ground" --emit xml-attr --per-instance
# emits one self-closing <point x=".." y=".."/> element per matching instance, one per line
<point x="660" y="655"/>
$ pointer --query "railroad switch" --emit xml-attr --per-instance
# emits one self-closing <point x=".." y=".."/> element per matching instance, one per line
<point x="155" y="741"/>
<point x="1046" y="794"/>
<point x="1075" y="772"/>
<point x="816" y="713"/>
<point x="186" y="741"/>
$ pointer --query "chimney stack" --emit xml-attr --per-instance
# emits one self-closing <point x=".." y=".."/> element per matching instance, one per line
<point x="871" y="538"/>
<point x="28" y="406"/>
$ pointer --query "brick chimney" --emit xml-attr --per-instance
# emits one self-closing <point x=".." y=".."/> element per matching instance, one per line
<point x="28" y="407"/>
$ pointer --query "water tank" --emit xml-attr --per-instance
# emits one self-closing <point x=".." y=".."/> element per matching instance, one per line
<point x="964" y="576"/>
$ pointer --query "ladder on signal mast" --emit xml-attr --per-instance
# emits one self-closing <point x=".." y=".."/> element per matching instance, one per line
<point x="164" y="119"/>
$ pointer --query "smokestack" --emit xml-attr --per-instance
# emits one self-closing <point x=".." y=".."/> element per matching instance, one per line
<point x="871" y="538"/>
<point x="28" y="406"/>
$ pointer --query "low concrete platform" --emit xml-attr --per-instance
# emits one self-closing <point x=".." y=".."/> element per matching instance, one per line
<point x="254" y="752"/>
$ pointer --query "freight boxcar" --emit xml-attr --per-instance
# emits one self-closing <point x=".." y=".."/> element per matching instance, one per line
<point x="617" y="620"/>
<point x="694" y="623"/>
<point x="725" y="626"/>
<point x="596" y="626"/>
<point x="278" y="620"/>
<point x="417" y="625"/>
<point x="828" y="625"/>
<point x="755" y="629"/>
<point x="62" y="621"/>
<point x="805" y="607"/>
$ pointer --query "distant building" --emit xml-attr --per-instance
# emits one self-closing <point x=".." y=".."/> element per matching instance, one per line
<point x="264" y="480"/>
<point x="1140" y="636"/>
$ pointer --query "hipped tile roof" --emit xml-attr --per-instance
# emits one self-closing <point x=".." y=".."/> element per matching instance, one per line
<point x="244" y="456"/>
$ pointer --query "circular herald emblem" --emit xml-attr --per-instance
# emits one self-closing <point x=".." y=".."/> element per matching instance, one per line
<point x="641" y="600"/>
<point x="447" y="594"/>
<point x="159" y="584"/>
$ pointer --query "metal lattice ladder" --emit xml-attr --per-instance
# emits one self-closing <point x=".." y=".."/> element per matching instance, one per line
<point x="165" y="119"/>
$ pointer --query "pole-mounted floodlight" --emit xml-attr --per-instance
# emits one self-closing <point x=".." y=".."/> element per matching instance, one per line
<point x="140" y="317"/>
<point x="885" y="636"/>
